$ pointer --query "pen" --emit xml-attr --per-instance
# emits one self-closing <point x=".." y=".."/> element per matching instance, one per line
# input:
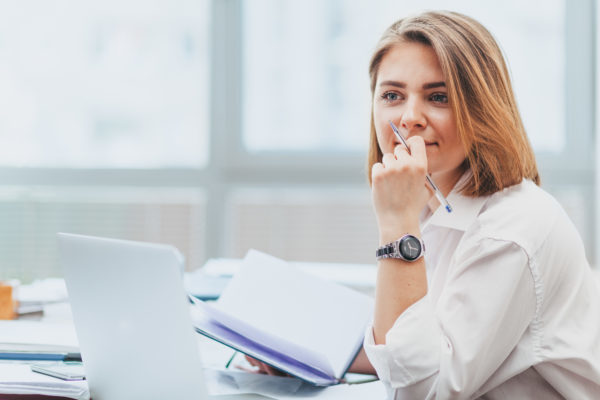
<point x="436" y="190"/>
<point x="231" y="359"/>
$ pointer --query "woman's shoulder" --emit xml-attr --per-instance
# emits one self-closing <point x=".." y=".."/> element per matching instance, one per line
<point x="523" y="198"/>
<point x="524" y="214"/>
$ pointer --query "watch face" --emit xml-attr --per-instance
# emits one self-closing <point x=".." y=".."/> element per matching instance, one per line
<point x="410" y="248"/>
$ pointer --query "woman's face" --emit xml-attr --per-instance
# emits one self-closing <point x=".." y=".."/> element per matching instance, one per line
<point x="410" y="91"/>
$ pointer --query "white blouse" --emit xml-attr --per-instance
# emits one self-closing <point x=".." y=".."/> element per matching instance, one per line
<point x="512" y="309"/>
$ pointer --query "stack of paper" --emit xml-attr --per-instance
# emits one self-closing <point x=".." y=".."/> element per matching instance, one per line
<point x="34" y="296"/>
<point x="228" y="382"/>
<point x="18" y="379"/>
<point x="33" y="337"/>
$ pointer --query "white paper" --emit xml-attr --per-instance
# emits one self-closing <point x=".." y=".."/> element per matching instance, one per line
<point x="358" y="276"/>
<point x="19" y="379"/>
<point x="231" y="382"/>
<point x="363" y="391"/>
<point x="38" y="333"/>
<point x="361" y="277"/>
<point x="313" y="313"/>
<point x="225" y="381"/>
<point x="48" y="290"/>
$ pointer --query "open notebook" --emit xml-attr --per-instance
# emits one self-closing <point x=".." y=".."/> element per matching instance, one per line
<point x="306" y="326"/>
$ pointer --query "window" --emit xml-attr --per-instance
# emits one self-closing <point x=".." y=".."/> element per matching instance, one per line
<point x="112" y="84"/>
<point x="305" y="68"/>
<point x="218" y="125"/>
<point x="104" y="126"/>
<point x="305" y="84"/>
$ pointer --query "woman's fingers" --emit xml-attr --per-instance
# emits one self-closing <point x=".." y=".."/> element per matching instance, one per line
<point x="388" y="160"/>
<point x="273" y="371"/>
<point x="400" y="151"/>
<point x="252" y="361"/>
<point x="416" y="153"/>
<point x="397" y="185"/>
<point x="263" y="368"/>
<point x="417" y="148"/>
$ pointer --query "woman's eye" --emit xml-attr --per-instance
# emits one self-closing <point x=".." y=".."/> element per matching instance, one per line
<point x="439" y="98"/>
<point x="390" y="96"/>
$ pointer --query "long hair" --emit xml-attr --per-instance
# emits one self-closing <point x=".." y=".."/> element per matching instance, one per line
<point x="489" y="126"/>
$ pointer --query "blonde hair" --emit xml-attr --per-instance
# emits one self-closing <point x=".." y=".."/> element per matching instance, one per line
<point x="480" y="95"/>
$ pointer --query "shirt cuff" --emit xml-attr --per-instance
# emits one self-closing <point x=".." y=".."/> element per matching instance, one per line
<point x="412" y="348"/>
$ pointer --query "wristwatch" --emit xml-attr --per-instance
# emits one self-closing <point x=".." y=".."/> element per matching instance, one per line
<point x="408" y="248"/>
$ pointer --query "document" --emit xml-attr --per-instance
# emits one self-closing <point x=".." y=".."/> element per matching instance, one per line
<point x="228" y="382"/>
<point x="306" y="326"/>
<point x="361" y="277"/>
<point x="18" y="379"/>
<point x="33" y="340"/>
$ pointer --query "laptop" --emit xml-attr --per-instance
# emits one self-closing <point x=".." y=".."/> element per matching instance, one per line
<point x="132" y="320"/>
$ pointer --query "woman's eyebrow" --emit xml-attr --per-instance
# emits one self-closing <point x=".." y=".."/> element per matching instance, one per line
<point x="434" y="85"/>
<point x="402" y="85"/>
<point x="393" y="83"/>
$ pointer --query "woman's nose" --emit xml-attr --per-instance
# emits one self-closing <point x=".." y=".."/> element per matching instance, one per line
<point x="412" y="117"/>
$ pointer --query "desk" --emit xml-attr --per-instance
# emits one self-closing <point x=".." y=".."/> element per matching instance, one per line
<point x="214" y="357"/>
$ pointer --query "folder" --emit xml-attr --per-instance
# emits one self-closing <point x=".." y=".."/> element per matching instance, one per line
<point x="37" y="355"/>
<point x="35" y="340"/>
<point x="292" y="320"/>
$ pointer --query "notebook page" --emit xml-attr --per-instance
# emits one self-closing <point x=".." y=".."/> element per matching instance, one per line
<point x="323" y="316"/>
<point x="208" y="327"/>
<point x="255" y="334"/>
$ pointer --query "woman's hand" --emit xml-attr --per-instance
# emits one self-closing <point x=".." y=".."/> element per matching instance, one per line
<point x="262" y="368"/>
<point x="399" y="189"/>
<point x="360" y="365"/>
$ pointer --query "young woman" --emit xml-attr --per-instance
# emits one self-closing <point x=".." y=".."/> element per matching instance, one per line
<point x="502" y="305"/>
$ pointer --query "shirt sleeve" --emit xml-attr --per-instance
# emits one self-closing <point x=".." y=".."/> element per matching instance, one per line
<point x="449" y="350"/>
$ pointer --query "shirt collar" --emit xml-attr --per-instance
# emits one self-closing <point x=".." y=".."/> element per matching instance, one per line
<point x="464" y="209"/>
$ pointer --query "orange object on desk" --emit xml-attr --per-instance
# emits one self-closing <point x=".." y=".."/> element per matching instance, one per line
<point x="7" y="303"/>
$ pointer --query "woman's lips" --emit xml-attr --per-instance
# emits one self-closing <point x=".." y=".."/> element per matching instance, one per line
<point x="426" y="144"/>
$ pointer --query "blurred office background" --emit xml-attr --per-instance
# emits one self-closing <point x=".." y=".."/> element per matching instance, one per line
<point x="224" y="125"/>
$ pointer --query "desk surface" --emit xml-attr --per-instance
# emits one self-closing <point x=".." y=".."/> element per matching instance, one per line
<point x="214" y="357"/>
